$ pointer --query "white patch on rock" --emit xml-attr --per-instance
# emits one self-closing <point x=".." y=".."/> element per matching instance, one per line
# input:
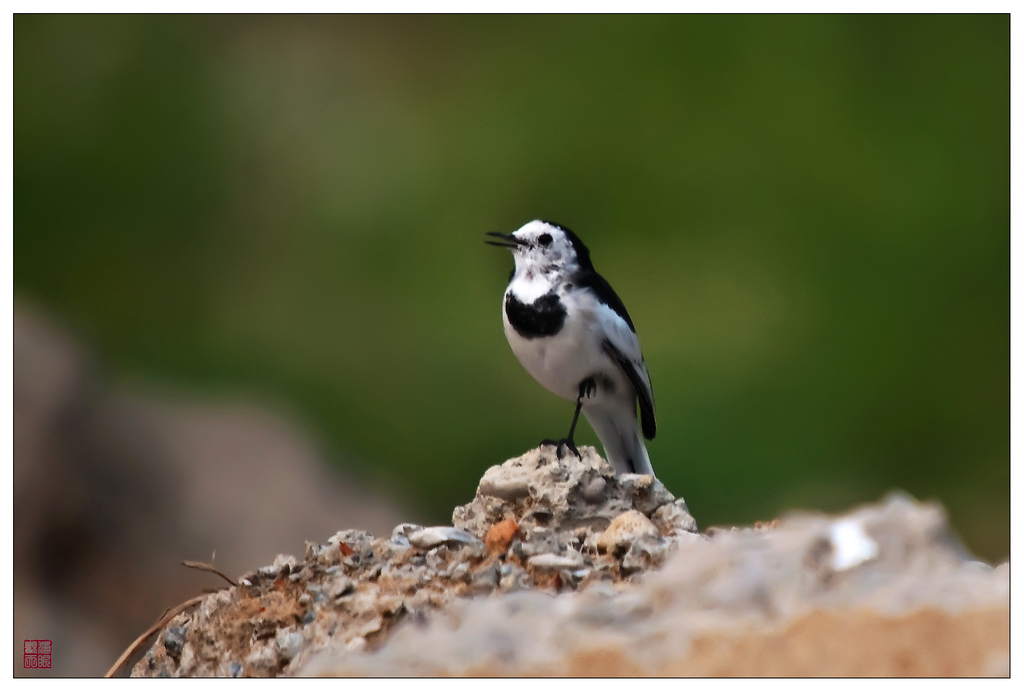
<point x="851" y="545"/>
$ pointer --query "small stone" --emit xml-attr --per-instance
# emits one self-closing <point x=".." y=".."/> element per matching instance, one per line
<point x="624" y="530"/>
<point x="593" y="491"/>
<point x="551" y="561"/>
<point x="505" y="482"/>
<point x="234" y="669"/>
<point x="431" y="536"/>
<point x="499" y="537"/>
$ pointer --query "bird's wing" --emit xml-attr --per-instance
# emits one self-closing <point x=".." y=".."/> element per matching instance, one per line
<point x="622" y="344"/>
<point x="636" y="371"/>
<point x="605" y="294"/>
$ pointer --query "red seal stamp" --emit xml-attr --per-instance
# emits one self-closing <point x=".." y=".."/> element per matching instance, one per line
<point x="38" y="653"/>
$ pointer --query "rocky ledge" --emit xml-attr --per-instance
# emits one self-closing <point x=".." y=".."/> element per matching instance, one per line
<point x="560" y="567"/>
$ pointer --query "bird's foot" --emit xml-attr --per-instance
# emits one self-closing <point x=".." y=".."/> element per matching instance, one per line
<point x="561" y="446"/>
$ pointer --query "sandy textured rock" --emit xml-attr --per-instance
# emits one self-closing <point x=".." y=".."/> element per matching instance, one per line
<point x="559" y="567"/>
<point x="561" y="508"/>
<point x="532" y="527"/>
<point x="746" y="602"/>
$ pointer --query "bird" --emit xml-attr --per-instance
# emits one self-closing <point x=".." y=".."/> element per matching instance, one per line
<point x="572" y="333"/>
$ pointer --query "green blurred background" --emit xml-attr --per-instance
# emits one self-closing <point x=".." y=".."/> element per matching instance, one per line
<point x="808" y="217"/>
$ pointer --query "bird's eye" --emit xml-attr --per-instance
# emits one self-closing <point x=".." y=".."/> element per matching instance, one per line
<point x="545" y="239"/>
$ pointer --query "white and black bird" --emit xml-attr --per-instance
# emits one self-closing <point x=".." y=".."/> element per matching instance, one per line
<point x="572" y="333"/>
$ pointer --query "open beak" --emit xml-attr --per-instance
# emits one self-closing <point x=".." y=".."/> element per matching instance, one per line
<point x="507" y="240"/>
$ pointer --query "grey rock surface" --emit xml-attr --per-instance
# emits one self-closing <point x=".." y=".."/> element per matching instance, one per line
<point x="901" y="572"/>
<point x="559" y="567"/>
<point x="533" y="526"/>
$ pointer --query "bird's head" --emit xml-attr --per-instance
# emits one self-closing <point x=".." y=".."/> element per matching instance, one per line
<point x="544" y="248"/>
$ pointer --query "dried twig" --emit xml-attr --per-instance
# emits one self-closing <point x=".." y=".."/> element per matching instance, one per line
<point x="209" y="568"/>
<point x="137" y="644"/>
<point x="169" y="614"/>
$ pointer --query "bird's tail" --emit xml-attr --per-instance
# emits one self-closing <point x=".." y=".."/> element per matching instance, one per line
<point x="619" y="433"/>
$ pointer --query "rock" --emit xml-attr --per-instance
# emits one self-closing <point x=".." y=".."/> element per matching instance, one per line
<point x="588" y="573"/>
<point x="538" y="532"/>
<point x="626" y="529"/>
<point x="560" y="500"/>
<point x="747" y="603"/>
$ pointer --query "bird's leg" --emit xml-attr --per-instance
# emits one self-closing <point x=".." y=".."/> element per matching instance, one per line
<point x="579" y="405"/>
<point x="587" y="388"/>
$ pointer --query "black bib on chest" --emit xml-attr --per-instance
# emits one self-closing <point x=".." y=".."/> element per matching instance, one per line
<point x="543" y="317"/>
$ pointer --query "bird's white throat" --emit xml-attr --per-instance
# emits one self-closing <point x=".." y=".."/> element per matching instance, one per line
<point x="534" y="278"/>
<point x="529" y="286"/>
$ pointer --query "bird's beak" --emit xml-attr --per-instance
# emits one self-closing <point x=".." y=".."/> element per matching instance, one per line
<point x="507" y="240"/>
